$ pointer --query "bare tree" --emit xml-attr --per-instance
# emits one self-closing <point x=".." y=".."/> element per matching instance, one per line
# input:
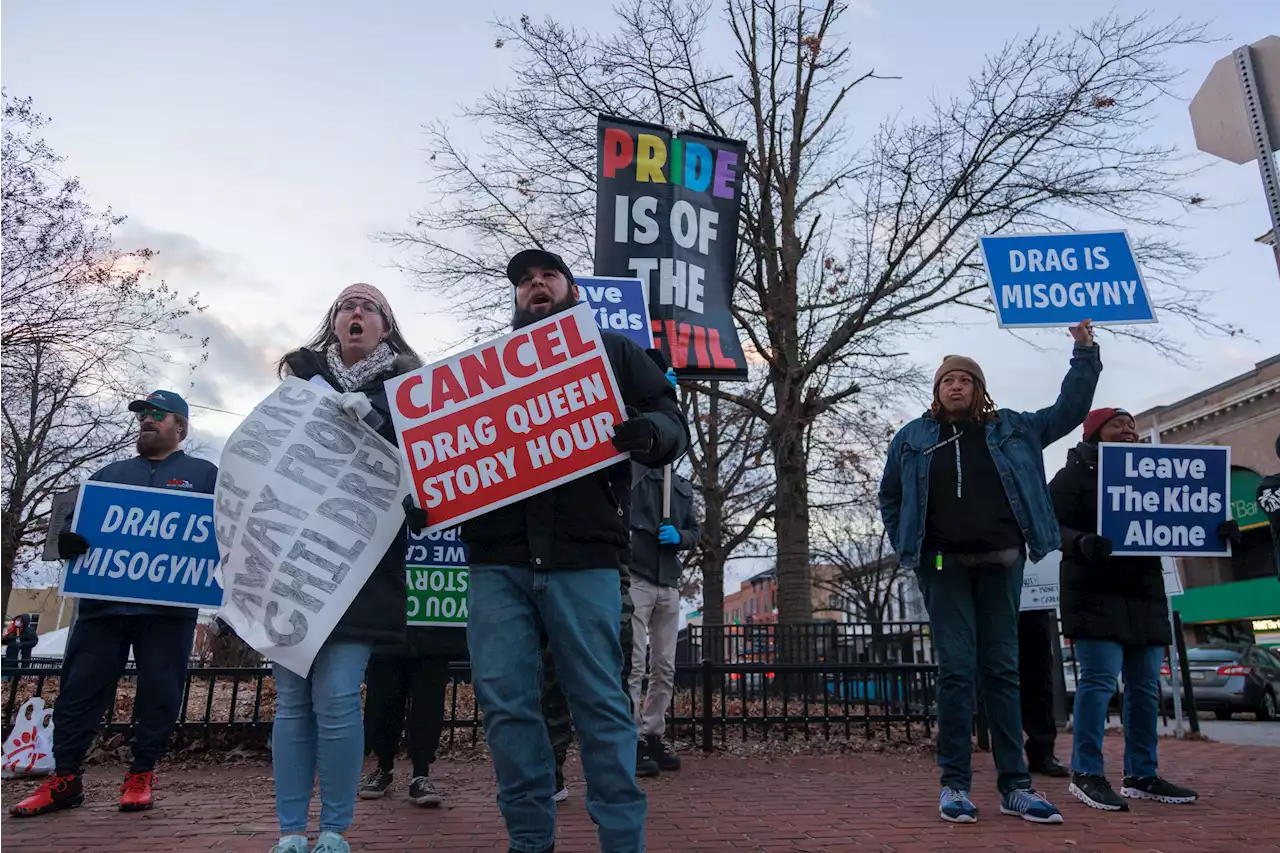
<point x="843" y="247"/>
<point x="81" y="325"/>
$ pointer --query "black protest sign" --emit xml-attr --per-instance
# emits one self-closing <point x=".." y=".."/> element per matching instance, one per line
<point x="667" y="213"/>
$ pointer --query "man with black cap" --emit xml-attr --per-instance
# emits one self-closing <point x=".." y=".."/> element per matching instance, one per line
<point x="1268" y="497"/>
<point x="964" y="502"/>
<point x="548" y="566"/>
<point x="105" y="631"/>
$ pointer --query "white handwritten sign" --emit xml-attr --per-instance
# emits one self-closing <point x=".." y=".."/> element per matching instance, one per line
<point x="308" y="501"/>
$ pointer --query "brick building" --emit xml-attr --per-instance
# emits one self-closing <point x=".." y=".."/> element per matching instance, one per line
<point x="1235" y="598"/>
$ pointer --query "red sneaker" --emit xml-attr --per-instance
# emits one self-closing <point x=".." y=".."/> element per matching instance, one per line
<point x="135" y="793"/>
<point x="58" y="792"/>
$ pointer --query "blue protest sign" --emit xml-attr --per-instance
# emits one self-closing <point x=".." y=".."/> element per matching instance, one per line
<point x="150" y="546"/>
<point x="1061" y="279"/>
<point x="620" y="305"/>
<point x="1164" y="499"/>
<point x="436" y="578"/>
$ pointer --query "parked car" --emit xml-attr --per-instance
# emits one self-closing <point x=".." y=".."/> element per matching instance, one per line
<point x="1228" y="678"/>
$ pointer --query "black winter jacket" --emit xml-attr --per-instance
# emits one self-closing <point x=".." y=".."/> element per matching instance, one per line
<point x="657" y="563"/>
<point x="583" y="523"/>
<point x="1121" y="599"/>
<point x="377" y="614"/>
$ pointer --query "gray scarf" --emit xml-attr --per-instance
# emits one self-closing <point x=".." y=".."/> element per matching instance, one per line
<point x="363" y="371"/>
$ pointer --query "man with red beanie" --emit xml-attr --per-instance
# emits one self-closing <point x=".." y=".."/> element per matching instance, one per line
<point x="1114" y="611"/>
<point x="964" y="502"/>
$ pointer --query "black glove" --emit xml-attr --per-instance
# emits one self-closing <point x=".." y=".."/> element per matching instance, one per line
<point x="416" y="518"/>
<point x="71" y="545"/>
<point x="1093" y="547"/>
<point x="635" y="433"/>
<point x="1229" y="531"/>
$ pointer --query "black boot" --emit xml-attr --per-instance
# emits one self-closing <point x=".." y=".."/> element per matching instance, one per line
<point x="665" y="760"/>
<point x="646" y="767"/>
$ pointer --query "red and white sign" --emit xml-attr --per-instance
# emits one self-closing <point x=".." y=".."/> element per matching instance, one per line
<point x="508" y="419"/>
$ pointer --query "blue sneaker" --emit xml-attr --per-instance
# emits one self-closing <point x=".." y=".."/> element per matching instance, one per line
<point x="331" y="842"/>
<point x="1029" y="805"/>
<point x="291" y="844"/>
<point x="956" y="807"/>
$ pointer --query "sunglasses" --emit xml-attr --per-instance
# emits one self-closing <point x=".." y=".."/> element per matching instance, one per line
<point x="155" y="414"/>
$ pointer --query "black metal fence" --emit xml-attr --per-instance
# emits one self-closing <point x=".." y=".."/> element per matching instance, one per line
<point x="838" y="693"/>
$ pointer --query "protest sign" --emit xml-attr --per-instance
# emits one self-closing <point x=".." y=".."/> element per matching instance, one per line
<point x="148" y="546"/>
<point x="667" y="213"/>
<point x="1040" y="583"/>
<point x="436" y="576"/>
<point x="1163" y="499"/>
<point x="620" y="306"/>
<point x="508" y="419"/>
<point x="61" y="509"/>
<point x="1061" y="279"/>
<point x="308" y="501"/>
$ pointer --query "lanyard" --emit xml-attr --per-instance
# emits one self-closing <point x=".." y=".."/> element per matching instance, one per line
<point x="954" y="439"/>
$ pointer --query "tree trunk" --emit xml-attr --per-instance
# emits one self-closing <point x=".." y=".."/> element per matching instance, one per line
<point x="9" y="539"/>
<point x="795" y="588"/>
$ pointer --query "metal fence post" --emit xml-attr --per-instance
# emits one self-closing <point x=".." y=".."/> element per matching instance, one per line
<point x="707" y="668"/>
<point x="1184" y="668"/>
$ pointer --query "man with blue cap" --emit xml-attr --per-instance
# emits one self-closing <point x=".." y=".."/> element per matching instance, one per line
<point x="105" y="631"/>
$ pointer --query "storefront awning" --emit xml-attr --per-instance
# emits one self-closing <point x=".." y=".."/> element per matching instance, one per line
<point x="1244" y="499"/>
<point x="1228" y="602"/>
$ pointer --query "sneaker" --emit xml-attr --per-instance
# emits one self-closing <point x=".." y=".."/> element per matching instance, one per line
<point x="645" y="765"/>
<point x="375" y="784"/>
<point x="658" y="751"/>
<point x="135" y="793"/>
<point x="60" y="791"/>
<point x="1155" y="788"/>
<point x="1029" y="805"/>
<point x="1095" y="792"/>
<point x="331" y="842"/>
<point x="955" y="806"/>
<point x="422" y="792"/>
<point x="291" y="844"/>
<point x="562" y="790"/>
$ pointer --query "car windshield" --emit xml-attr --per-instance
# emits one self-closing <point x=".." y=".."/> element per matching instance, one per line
<point x="1212" y="655"/>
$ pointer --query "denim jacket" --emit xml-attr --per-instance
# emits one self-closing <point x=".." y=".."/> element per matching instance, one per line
<point x="1016" y="440"/>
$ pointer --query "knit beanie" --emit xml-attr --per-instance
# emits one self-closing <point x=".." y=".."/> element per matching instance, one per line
<point x="360" y="290"/>
<point x="958" y="362"/>
<point x="1097" y="419"/>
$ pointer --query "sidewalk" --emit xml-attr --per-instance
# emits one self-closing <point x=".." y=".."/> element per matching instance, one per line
<point x="860" y="802"/>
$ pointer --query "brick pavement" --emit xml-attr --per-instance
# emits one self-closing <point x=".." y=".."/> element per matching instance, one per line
<point x="858" y="802"/>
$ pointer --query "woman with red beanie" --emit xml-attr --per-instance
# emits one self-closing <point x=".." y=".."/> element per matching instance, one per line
<point x="1115" y="613"/>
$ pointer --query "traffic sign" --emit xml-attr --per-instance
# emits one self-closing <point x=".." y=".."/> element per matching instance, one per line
<point x="1218" y="114"/>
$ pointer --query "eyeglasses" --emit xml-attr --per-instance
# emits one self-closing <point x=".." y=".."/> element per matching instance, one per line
<point x="348" y="306"/>
<point x="155" y="414"/>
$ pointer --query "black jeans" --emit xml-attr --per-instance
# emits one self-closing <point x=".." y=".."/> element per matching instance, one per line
<point x="973" y="613"/>
<point x="1037" y="632"/>
<point x="391" y="682"/>
<point x="95" y="659"/>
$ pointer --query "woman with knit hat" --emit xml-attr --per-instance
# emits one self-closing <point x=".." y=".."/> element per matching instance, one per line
<point x="1115" y="613"/>
<point x="318" y="728"/>
<point x="964" y="501"/>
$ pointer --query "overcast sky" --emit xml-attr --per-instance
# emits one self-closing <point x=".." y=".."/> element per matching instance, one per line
<point x="257" y="146"/>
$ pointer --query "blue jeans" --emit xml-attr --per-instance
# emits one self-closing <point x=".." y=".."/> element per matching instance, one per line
<point x="973" y="612"/>
<point x="511" y="608"/>
<point x="318" y="725"/>
<point x="1099" y="662"/>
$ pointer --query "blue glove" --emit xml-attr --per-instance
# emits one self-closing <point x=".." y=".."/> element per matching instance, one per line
<point x="668" y="535"/>
<point x="671" y="377"/>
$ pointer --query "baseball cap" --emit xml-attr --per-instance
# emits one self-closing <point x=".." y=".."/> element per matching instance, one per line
<point x="165" y="401"/>
<point x="536" y="257"/>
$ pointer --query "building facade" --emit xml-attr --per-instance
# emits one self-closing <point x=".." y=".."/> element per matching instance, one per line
<point x="1235" y="598"/>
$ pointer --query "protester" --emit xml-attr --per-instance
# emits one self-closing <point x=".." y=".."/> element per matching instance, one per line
<point x="318" y="726"/>
<point x="549" y="566"/>
<point x="1115" y="613"/>
<point x="1037" y="635"/>
<point x="416" y="672"/>
<point x="1268" y="497"/>
<point x="105" y="631"/>
<point x="656" y="568"/>
<point x="963" y="499"/>
<point x="21" y="637"/>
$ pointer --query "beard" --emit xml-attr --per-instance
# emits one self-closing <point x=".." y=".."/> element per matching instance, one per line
<point x="151" y="442"/>
<point x="523" y="316"/>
